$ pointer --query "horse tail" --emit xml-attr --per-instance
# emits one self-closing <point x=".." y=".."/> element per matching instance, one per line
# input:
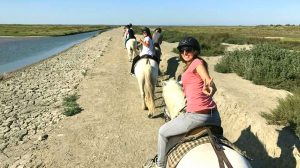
<point x="149" y="88"/>
<point x="134" y="47"/>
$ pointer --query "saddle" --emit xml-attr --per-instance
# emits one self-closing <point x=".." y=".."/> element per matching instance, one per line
<point x="137" y="58"/>
<point x="215" y="130"/>
<point x="200" y="135"/>
<point x="149" y="57"/>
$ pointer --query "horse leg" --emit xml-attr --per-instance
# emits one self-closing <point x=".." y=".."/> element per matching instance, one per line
<point x="129" y="54"/>
<point x="141" y="82"/>
<point x="144" y="106"/>
<point x="135" y="49"/>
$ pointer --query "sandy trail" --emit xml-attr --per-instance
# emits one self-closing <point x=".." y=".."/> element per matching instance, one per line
<point x="113" y="131"/>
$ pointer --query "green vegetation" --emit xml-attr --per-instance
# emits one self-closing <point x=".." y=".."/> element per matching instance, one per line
<point x="287" y="113"/>
<point x="47" y="30"/>
<point x="71" y="107"/>
<point x="244" y="31"/>
<point x="274" y="67"/>
<point x="266" y="65"/>
<point x="210" y="43"/>
<point x="137" y="29"/>
<point x="211" y="37"/>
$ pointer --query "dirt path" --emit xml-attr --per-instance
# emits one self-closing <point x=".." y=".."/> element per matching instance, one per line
<point x="113" y="131"/>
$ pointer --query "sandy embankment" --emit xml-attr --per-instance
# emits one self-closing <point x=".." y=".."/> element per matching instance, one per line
<point x="113" y="131"/>
<point x="31" y="98"/>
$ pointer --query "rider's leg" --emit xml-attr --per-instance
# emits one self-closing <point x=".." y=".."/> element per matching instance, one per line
<point x="180" y="125"/>
<point x="135" y="59"/>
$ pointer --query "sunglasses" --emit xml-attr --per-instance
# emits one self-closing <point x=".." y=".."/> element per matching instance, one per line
<point x="187" y="49"/>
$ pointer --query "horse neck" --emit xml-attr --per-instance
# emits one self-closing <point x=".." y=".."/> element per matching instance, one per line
<point x="174" y="99"/>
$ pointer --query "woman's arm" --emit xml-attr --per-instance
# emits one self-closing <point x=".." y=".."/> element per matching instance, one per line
<point x="145" y="43"/>
<point x="209" y="87"/>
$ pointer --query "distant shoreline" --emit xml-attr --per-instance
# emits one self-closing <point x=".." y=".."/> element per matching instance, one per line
<point x="23" y="36"/>
<point x="47" y="30"/>
<point x="53" y="35"/>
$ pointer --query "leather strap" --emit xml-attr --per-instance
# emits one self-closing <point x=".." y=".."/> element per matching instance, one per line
<point x="219" y="150"/>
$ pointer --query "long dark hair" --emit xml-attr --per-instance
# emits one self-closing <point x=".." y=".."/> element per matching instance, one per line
<point x="196" y="56"/>
<point x="147" y="30"/>
<point x="149" y="34"/>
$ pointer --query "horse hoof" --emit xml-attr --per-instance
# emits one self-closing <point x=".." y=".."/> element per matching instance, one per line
<point x="150" y="116"/>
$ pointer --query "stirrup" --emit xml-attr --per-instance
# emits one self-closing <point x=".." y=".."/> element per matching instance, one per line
<point x="150" y="163"/>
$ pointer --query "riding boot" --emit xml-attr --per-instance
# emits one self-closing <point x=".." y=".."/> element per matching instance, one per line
<point x="134" y="61"/>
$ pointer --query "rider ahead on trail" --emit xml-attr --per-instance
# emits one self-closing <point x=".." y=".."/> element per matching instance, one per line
<point x="199" y="89"/>
<point x="157" y="37"/>
<point x="129" y="33"/>
<point x="157" y="40"/>
<point x="148" y="48"/>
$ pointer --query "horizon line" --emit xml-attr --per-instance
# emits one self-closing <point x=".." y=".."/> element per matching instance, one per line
<point x="204" y="25"/>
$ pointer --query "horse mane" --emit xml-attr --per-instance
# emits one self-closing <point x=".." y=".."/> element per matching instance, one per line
<point x="173" y="97"/>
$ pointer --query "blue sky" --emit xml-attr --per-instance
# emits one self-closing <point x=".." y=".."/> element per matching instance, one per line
<point x="150" y="12"/>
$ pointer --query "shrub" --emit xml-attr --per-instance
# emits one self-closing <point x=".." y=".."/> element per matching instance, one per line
<point x="274" y="67"/>
<point x="287" y="113"/>
<point x="210" y="43"/>
<point x="222" y="67"/>
<point x="174" y="50"/>
<point x="265" y="64"/>
<point x="71" y="107"/>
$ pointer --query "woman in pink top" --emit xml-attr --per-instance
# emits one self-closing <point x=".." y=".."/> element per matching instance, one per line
<point x="199" y="89"/>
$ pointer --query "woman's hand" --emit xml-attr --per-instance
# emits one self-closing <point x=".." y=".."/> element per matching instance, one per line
<point x="209" y="87"/>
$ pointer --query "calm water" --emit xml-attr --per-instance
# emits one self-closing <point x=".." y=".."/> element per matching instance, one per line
<point x="17" y="52"/>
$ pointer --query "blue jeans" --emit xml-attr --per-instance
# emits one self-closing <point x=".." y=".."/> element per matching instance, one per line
<point x="180" y="125"/>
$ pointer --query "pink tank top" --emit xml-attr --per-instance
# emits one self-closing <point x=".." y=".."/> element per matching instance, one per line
<point x="192" y="86"/>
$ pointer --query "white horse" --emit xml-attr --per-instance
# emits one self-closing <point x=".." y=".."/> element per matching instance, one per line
<point x="146" y="71"/>
<point x="202" y="155"/>
<point x="174" y="107"/>
<point x="132" y="50"/>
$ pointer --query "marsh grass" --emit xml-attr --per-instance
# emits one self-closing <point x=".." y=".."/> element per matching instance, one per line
<point x="210" y="43"/>
<point x="287" y="113"/>
<point x="71" y="107"/>
<point x="265" y="64"/>
<point x="47" y="30"/>
<point x="273" y="67"/>
<point x="243" y="31"/>
<point x="211" y="37"/>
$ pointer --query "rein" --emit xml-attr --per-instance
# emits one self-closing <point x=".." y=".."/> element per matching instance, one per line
<point x="219" y="150"/>
<point x="181" y="110"/>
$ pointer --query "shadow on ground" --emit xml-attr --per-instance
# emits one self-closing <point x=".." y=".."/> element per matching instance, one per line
<point x="254" y="147"/>
<point x="173" y="63"/>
